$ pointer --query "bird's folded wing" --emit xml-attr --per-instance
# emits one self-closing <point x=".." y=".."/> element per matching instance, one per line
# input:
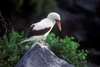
<point x="32" y="32"/>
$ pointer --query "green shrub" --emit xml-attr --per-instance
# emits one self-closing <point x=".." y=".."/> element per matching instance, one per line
<point x="10" y="54"/>
<point x="65" y="48"/>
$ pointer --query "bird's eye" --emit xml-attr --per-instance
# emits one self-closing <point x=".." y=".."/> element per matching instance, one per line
<point x="56" y="20"/>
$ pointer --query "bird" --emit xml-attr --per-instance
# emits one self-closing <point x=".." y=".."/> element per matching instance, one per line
<point x="39" y="31"/>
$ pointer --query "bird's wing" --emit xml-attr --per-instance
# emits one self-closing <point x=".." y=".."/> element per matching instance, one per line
<point x="33" y="32"/>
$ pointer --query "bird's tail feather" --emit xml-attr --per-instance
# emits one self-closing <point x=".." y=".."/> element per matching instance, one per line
<point x="23" y="42"/>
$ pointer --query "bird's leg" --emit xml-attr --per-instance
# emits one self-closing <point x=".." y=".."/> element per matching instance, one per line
<point x="42" y="41"/>
<point x="39" y="41"/>
<point x="46" y="44"/>
<point x="45" y="41"/>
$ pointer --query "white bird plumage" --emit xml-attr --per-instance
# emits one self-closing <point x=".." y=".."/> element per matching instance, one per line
<point x="45" y="24"/>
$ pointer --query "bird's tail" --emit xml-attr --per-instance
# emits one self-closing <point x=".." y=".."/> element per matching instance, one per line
<point x="23" y="42"/>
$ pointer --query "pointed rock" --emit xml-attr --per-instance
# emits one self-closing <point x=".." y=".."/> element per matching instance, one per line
<point x="41" y="56"/>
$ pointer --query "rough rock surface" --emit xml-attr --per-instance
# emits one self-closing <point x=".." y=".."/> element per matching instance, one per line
<point x="40" y="56"/>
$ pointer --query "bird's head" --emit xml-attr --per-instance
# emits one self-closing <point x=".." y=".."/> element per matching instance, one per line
<point x="56" y="18"/>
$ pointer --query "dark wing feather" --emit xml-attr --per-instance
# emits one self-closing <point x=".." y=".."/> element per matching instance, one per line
<point x="32" y="32"/>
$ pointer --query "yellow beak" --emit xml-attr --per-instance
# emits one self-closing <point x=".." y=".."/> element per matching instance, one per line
<point x="59" y="25"/>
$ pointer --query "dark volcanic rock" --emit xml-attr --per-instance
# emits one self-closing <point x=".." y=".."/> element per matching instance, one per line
<point x="41" y="56"/>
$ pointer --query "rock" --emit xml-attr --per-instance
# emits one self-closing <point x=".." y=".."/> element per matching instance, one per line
<point x="41" y="56"/>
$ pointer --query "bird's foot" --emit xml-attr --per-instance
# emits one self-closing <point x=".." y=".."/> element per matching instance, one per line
<point x="44" y="44"/>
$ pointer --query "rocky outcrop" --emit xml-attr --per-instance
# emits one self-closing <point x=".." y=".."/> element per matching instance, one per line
<point x="41" y="56"/>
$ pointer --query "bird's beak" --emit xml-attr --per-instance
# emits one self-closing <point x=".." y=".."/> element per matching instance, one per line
<point x="59" y="25"/>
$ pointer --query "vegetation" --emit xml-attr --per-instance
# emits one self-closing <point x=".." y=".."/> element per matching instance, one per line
<point x="65" y="48"/>
<point x="10" y="54"/>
